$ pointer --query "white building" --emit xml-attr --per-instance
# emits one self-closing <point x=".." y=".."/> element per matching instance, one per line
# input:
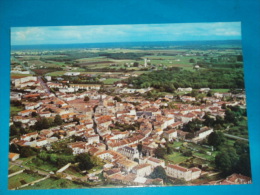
<point x="142" y="170"/>
<point x="72" y="73"/>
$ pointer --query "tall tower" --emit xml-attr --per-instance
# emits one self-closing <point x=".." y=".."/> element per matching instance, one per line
<point x="145" y="62"/>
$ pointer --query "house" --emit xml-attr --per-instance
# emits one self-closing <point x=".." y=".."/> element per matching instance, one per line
<point x="47" y="133"/>
<point x="13" y="156"/>
<point x="205" y="90"/>
<point x="142" y="170"/>
<point x="93" y="139"/>
<point x="111" y="172"/>
<point x="187" y="98"/>
<point x="155" y="162"/>
<point x="78" y="147"/>
<point x="129" y="152"/>
<point x="178" y="172"/>
<point x="202" y="133"/>
<point x="187" y="117"/>
<point x="237" y="179"/>
<point x="195" y="173"/>
<point x="170" y="135"/>
<point x="126" y="164"/>
<point x="72" y="73"/>
<point x="41" y="142"/>
<point x="26" y="112"/>
<point x="29" y="136"/>
<point x="189" y="89"/>
<point x="110" y="155"/>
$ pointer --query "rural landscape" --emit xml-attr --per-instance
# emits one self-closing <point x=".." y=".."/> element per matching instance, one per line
<point x="118" y="114"/>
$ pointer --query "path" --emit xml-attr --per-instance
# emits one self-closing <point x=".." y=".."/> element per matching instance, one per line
<point x="235" y="137"/>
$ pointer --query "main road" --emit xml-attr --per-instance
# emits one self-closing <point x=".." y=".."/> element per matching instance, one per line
<point x="43" y="84"/>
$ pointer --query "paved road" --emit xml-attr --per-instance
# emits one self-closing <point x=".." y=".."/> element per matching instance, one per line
<point x="235" y="137"/>
<point x="43" y="84"/>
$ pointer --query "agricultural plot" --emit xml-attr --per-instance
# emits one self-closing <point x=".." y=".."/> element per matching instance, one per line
<point x="22" y="179"/>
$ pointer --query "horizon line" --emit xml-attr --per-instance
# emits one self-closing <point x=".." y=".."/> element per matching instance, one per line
<point x="128" y="42"/>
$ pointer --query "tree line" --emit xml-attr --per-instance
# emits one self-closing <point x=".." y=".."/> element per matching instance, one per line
<point x="171" y="79"/>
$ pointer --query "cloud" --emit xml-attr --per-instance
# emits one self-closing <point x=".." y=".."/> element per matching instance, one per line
<point x="116" y="33"/>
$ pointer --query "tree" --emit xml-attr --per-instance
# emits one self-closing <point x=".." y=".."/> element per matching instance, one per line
<point x="45" y="123"/>
<point x="139" y="147"/>
<point x="160" y="152"/>
<point x="210" y="94"/>
<point x="86" y="99"/>
<point x="76" y="119"/>
<point x="34" y="114"/>
<point x="136" y="160"/>
<point x="194" y="93"/>
<point x="230" y="116"/>
<point x="85" y="162"/>
<point x="136" y="64"/>
<point x="227" y="160"/>
<point x="58" y="120"/>
<point x="243" y="165"/>
<point x="208" y="120"/>
<point x="168" y="149"/>
<point x="158" y="172"/>
<point x="192" y="61"/>
<point x="118" y="99"/>
<point x="216" y="139"/>
<point x="14" y="148"/>
<point x="14" y="130"/>
<point x="27" y="151"/>
<point x="241" y="147"/>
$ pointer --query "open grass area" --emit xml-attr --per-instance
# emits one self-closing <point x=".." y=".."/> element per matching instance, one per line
<point x="21" y="179"/>
<point x="72" y="171"/>
<point x="175" y="158"/>
<point x="15" y="109"/>
<point x="175" y="144"/>
<point x="110" y="81"/>
<point x="45" y="166"/>
<point x="204" y="156"/>
<point x="13" y="169"/>
<point x="220" y="90"/>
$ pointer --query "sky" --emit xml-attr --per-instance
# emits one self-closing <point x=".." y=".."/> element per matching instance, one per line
<point x="125" y="33"/>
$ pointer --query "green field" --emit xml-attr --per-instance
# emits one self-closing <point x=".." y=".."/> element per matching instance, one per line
<point x="21" y="179"/>
<point x="15" y="109"/>
<point x="204" y="156"/>
<point x="220" y="90"/>
<point x="175" y="158"/>
<point x="110" y="81"/>
<point x="13" y="169"/>
<point x="44" y="165"/>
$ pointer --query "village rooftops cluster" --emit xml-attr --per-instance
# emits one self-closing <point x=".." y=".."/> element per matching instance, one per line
<point x="111" y="130"/>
